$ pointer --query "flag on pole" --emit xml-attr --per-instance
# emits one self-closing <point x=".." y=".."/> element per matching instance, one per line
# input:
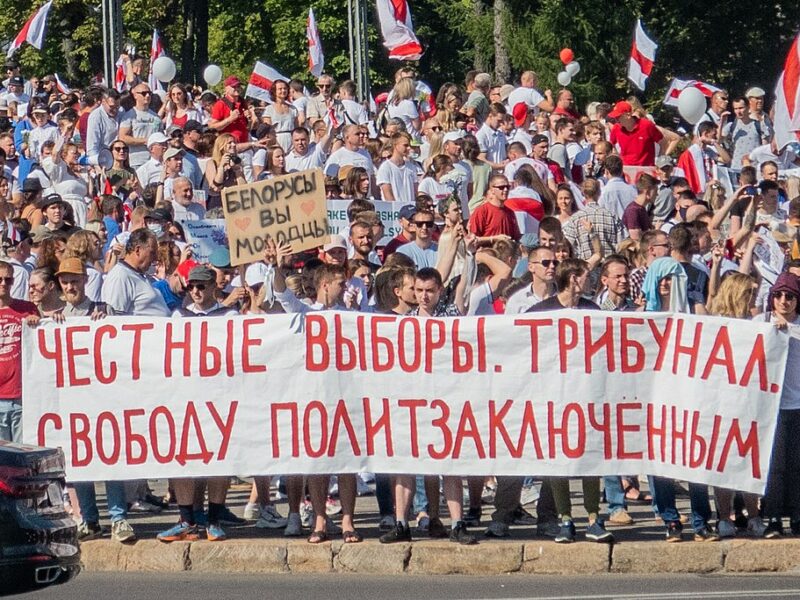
<point x="787" y="99"/>
<point x="12" y="233"/>
<point x="678" y="85"/>
<point x="120" y="75"/>
<point x="316" y="59"/>
<point x="261" y="80"/>
<point x="398" y="30"/>
<point x="156" y="50"/>
<point x="33" y="31"/>
<point x="643" y="54"/>
<point x="61" y="86"/>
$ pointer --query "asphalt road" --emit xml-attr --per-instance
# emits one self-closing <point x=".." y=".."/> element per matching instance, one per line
<point x="188" y="586"/>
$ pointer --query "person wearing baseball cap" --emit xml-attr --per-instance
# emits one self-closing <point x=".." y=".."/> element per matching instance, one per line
<point x="755" y="100"/>
<point x="72" y="279"/>
<point x="53" y="208"/>
<point x="230" y="114"/>
<point x="150" y="171"/>
<point x="406" y="235"/>
<point x="635" y="137"/>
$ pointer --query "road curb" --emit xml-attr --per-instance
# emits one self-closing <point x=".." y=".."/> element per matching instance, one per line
<point x="443" y="558"/>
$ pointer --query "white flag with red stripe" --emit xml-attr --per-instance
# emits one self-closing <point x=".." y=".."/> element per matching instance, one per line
<point x="61" y="86"/>
<point x="398" y="30"/>
<point x="678" y="85"/>
<point x="643" y="55"/>
<point x="787" y="99"/>
<point x="316" y="59"/>
<point x="120" y="75"/>
<point x="261" y="80"/>
<point x="33" y="31"/>
<point x="156" y="51"/>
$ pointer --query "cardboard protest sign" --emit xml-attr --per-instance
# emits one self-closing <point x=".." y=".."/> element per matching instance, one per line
<point x="388" y="212"/>
<point x="205" y="236"/>
<point x="289" y="209"/>
<point x="566" y="393"/>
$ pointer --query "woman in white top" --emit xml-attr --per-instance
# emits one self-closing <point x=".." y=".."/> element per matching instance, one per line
<point x="433" y="184"/>
<point x="281" y="115"/>
<point x="178" y="109"/>
<point x="402" y="106"/>
<point x="64" y="172"/>
<point x="276" y="163"/>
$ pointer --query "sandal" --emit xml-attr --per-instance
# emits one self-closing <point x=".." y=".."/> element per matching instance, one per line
<point x="352" y="537"/>
<point x="638" y="495"/>
<point x="318" y="537"/>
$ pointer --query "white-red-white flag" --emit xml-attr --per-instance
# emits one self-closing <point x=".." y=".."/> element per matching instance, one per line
<point x="678" y="85"/>
<point x="120" y="75"/>
<point x="398" y="30"/>
<point x="156" y="50"/>
<point x="33" y="31"/>
<point x="61" y="86"/>
<point x="316" y="59"/>
<point x="261" y="80"/>
<point x="643" y="55"/>
<point x="787" y="99"/>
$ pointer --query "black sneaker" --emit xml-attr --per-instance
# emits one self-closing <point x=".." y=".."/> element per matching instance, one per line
<point x="774" y="529"/>
<point x="436" y="528"/>
<point x="794" y="524"/>
<point x="567" y="533"/>
<point x="400" y="533"/>
<point x="89" y="531"/>
<point x="228" y="518"/>
<point x="674" y="531"/>
<point x="549" y="529"/>
<point x="460" y="535"/>
<point x="597" y="532"/>
<point x="704" y="534"/>
<point x="473" y="517"/>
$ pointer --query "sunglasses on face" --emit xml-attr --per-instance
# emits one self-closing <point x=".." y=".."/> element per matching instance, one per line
<point x="423" y="223"/>
<point x="120" y="149"/>
<point x="546" y="262"/>
<point x="196" y="286"/>
<point x="788" y="296"/>
<point x="143" y="93"/>
<point x="501" y="187"/>
<point x="7" y="280"/>
<point x="323" y="86"/>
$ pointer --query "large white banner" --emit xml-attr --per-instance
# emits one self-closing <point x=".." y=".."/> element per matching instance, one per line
<point x="562" y="393"/>
<point x="389" y="213"/>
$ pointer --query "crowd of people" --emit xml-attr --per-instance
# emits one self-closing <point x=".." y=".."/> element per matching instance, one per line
<point x="510" y="200"/>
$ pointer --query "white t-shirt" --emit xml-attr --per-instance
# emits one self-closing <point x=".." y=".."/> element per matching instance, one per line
<point x="480" y="300"/>
<point x="193" y="212"/>
<point x="527" y="96"/>
<point x="343" y="156"/>
<point x="140" y="124"/>
<point x="435" y="189"/>
<point x="356" y="113"/>
<point x="129" y="292"/>
<point x="403" y="179"/>
<point x="493" y="143"/>
<point x="422" y="257"/>
<point x="149" y="172"/>
<point x="313" y="159"/>
<point x="405" y="110"/>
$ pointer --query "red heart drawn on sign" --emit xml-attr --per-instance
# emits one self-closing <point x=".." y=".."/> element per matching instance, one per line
<point x="242" y="223"/>
<point x="308" y="207"/>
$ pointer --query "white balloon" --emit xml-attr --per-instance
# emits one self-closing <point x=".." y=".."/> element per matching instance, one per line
<point x="212" y="75"/>
<point x="564" y="78"/>
<point x="573" y="68"/>
<point x="164" y="69"/>
<point x="691" y="104"/>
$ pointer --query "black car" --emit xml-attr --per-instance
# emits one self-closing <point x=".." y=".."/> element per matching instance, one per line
<point x="38" y="539"/>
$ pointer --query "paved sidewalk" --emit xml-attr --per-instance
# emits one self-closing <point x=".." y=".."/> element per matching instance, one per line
<point x="638" y="549"/>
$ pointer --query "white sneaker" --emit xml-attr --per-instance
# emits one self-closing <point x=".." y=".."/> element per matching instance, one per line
<point x="332" y="506"/>
<point x="252" y="511"/>
<point x="121" y="531"/>
<point x="306" y="514"/>
<point x="142" y="506"/>
<point x="756" y="527"/>
<point x="270" y="518"/>
<point x="362" y="489"/>
<point x="726" y="529"/>
<point x="367" y="477"/>
<point x="294" y="528"/>
<point x="530" y="494"/>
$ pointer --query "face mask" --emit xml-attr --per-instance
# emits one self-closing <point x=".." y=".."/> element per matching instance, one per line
<point x="682" y="212"/>
<point x="156" y="228"/>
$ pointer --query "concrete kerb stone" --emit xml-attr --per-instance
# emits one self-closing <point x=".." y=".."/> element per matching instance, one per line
<point x="662" y="557"/>
<point x="752" y="556"/>
<point x="238" y="556"/>
<point x="581" y="558"/>
<point x="143" y="555"/>
<point x="446" y="558"/>
<point x="303" y="557"/>
<point x="377" y="559"/>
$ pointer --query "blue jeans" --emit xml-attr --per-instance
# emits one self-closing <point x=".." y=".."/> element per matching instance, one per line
<point x="664" y="497"/>
<point x="615" y="495"/>
<point x="420" y="502"/>
<point x="384" y="494"/>
<point x="11" y="420"/>
<point x="115" y="495"/>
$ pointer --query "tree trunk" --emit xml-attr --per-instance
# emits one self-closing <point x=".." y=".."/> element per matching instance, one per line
<point x="502" y="68"/>
<point x="481" y="59"/>
<point x="201" y="38"/>
<point x="188" y="67"/>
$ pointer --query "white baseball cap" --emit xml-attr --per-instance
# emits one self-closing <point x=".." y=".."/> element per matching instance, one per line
<point x="157" y="138"/>
<point x="454" y="136"/>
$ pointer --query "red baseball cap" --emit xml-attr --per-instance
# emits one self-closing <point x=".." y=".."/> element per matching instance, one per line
<point x="232" y="81"/>
<point x="620" y="108"/>
<point x="520" y="112"/>
<point x="186" y="266"/>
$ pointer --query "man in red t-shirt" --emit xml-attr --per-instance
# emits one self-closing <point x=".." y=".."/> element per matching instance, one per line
<point x="12" y="313"/>
<point x="230" y="113"/>
<point x="636" y="138"/>
<point x="493" y="218"/>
